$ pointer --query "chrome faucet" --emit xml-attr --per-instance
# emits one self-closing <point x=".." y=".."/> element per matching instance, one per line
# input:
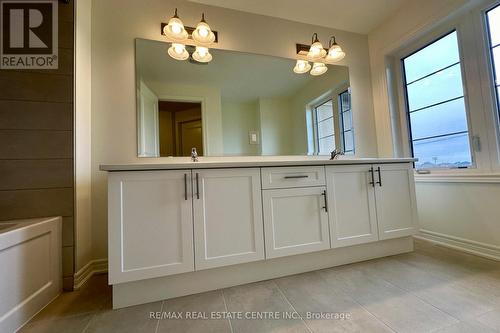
<point x="335" y="154"/>
<point x="194" y="155"/>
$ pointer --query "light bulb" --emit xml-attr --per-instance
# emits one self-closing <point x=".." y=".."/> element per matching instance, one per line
<point x="318" y="68"/>
<point x="178" y="51"/>
<point x="203" y="34"/>
<point x="203" y="31"/>
<point x="202" y="54"/>
<point x="175" y="28"/>
<point x="178" y="48"/>
<point x="316" y="51"/>
<point x="335" y="53"/>
<point x="301" y="67"/>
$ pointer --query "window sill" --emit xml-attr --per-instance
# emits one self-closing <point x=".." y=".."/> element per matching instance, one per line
<point x="466" y="177"/>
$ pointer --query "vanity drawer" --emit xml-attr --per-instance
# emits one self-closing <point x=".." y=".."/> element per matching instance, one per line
<point x="285" y="177"/>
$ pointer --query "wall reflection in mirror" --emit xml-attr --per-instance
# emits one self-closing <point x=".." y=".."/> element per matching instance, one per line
<point x="238" y="104"/>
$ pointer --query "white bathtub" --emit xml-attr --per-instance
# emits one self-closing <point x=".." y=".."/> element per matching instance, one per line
<point x="30" y="269"/>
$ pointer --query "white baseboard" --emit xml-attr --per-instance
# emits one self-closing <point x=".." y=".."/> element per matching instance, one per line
<point x="97" y="266"/>
<point x="461" y="244"/>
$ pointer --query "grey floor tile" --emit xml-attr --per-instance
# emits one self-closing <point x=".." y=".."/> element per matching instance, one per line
<point x="91" y="298"/>
<point x="399" y="309"/>
<point x="261" y="298"/>
<point x="449" y="296"/>
<point x="313" y="297"/>
<point x="466" y="327"/>
<point x="126" y="320"/>
<point x="199" y="314"/>
<point x="68" y="324"/>
<point x="491" y="319"/>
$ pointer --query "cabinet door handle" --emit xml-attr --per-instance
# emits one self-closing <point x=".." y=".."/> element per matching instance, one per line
<point x="197" y="186"/>
<point x="326" y="201"/>
<point x="379" y="176"/>
<point x="295" y="177"/>
<point x="185" y="186"/>
<point x="372" y="183"/>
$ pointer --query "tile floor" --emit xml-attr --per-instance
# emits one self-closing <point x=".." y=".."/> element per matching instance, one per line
<point x="430" y="290"/>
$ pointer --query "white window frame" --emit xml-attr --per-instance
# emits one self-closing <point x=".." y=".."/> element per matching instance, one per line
<point x="313" y="107"/>
<point x="341" y="121"/>
<point x="491" y="100"/>
<point x="472" y="81"/>
<point x="406" y="115"/>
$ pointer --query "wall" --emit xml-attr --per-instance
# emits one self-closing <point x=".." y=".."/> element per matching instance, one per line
<point x="36" y="135"/>
<point x="276" y="127"/>
<point x="83" y="66"/>
<point x="456" y="209"/>
<point x="238" y="118"/>
<point x="115" y="24"/>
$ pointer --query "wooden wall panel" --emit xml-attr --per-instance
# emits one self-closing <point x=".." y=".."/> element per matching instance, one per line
<point x="42" y="87"/>
<point x="36" y="115"/>
<point x="36" y="174"/>
<point x="36" y="142"/>
<point x="23" y="204"/>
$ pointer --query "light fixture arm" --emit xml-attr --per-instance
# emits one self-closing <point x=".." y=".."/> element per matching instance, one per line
<point x="314" y="38"/>
<point x="203" y="18"/>
<point x="330" y="42"/>
<point x="175" y="13"/>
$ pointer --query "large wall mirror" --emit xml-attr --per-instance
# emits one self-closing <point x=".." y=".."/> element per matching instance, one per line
<point x="238" y="104"/>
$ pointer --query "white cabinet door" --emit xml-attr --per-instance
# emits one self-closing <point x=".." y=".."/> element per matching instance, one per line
<point x="351" y="198"/>
<point x="150" y="224"/>
<point x="396" y="204"/>
<point x="227" y="217"/>
<point x="295" y="221"/>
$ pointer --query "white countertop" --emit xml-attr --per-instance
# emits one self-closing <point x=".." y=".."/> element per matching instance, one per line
<point x="176" y="163"/>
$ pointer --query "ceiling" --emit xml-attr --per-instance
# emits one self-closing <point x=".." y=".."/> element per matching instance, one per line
<point x="360" y="16"/>
<point x="239" y="76"/>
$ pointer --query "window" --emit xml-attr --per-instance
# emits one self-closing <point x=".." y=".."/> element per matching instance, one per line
<point x="325" y="133"/>
<point x="493" y="22"/>
<point x="346" y="122"/>
<point x="437" y="116"/>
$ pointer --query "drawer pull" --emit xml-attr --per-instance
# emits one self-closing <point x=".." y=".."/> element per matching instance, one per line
<point x="185" y="187"/>
<point x="197" y="186"/>
<point x="326" y="201"/>
<point x="296" y="177"/>
<point x="379" y="176"/>
<point x="372" y="183"/>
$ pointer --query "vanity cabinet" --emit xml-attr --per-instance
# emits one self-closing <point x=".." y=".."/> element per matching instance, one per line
<point x="150" y="226"/>
<point x="295" y="221"/>
<point x="227" y="207"/>
<point x="192" y="217"/>
<point x="370" y="203"/>
<point x="396" y="200"/>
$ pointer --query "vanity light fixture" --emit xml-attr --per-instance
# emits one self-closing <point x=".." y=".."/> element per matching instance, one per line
<point x="178" y="51"/>
<point x="316" y="54"/>
<point x="302" y="66"/>
<point x="335" y="52"/>
<point x="202" y="54"/>
<point x="203" y="34"/>
<point x="318" y="68"/>
<point x="198" y="39"/>
<point x="175" y="28"/>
